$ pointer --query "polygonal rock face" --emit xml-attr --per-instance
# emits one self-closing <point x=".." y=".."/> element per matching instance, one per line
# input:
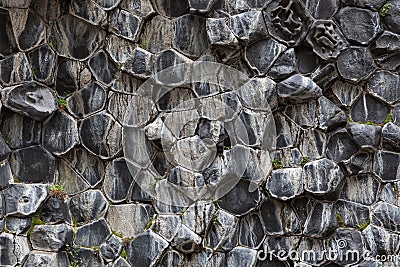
<point x="347" y="240"/>
<point x="8" y="44"/>
<point x="286" y="183"/>
<point x="51" y="237"/>
<point x="391" y="19"/>
<point x="33" y="165"/>
<point x="42" y="61"/>
<point x="125" y="24"/>
<point x="8" y="257"/>
<point x="297" y="89"/>
<point x="322" y="220"/>
<point x="359" y="25"/>
<point x="171" y="8"/>
<point x="146" y="249"/>
<point x="368" y="108"/>
<point x="15" y="69"/>
<point x="341" y="146"/>
<point x="330" y="115"/>
<point x="60" y="133"/>
<point x="322" y="176"/>
<point x="30" y="99"/>
<point x="157" y="34"/>
<point x="365" y="135"/>
<point x="326" y="39"/>
<point x="117" y="181"/>
<point x="75" y="38"/>
<point x="286" y="20"/>
<point x="27" y="35"/>
<point x="386" y="166"/>
<point x="101" y="135"/>
<point x="386" y="85"/>
<point x="248" y="26"/>
<point x="140" y="64"/>
<point x="102" y="67"/>
<point x="322" y="9"/>
<point x="355" y="64"/>
<point x="92" y="234"/>
<point x="386" y="216"/>
<point x="361" y="189"/>
<point x="87" y="101"/>
<point x="24" y="199"/>
<point x="88" y="206"/>
<point x="88" y="11"/>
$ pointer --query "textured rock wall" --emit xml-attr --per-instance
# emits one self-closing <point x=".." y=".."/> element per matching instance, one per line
<point x="71" y="71"/>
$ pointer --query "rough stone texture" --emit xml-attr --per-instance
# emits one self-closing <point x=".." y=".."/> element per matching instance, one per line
<point x="92" y="234"/>
<point x="297" y="89"/>
<point x="23" y="199"/>
<point x="51" y="237"/>
<point x="355" y="64"/>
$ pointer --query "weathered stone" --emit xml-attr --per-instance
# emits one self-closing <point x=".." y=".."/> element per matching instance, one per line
<point x="171" y="8"/>
<point x="71" y="76"/>
<point x="325" y="75"/>
<point x="386" y="216"/>
<point x="219" y="33"/>
<point x="389" y="193"/>
<point x="251" y="232"/>
<point x="60" y="133"/>
<point x="306" y="60"/>
<point x="119" y="49"/>
<point x="286" y="183"/>
<point x="277" y="243"/>
<point x="24" y="199"/>
<point x="51" y="237"/>
<point x="8" y="44"/>
<point x="322" y="220"/>
<point x="4" y="150"/>
<point x="386" y="166"/>
<point x="15" y="69"/>
<point x="268" y="47"/>
<point x="248" y="26"/>
<point x="166" y="226"/>
<point x="386" y="50"/>
<point x="240" y="255"/>
<point x="365" y="135"/>
<point x="8" y="258"/>
<point x="286" y="20"/>
<point x="303" y="114"/>
<point x="140" y="64"/>
<point x="38" y="258"/>
<point x="186" y="241"/>
<point x="345" y="240"/>
<point x="171" y="258"/>
<point x="6" y="175"/>
<point x="103" y="69"/>
<point x="90" y="167"/>
<point x="381" y="242"/>
<point x="49" y="10"/>
<point x="87" y="101"/>
<point x="329" y="115"/>
<point x="351" y="213"/>
<point x="259" y="94"/>
<point x="33" y="165"/>
<point x="321" y="176"/>
<point x="368" y="108"/>
<point x="359" y="25"/>
<point x="142" y="8"/>
<point x="391" y="19"/>
<point x="223" y="233"/>
<point x="341" y="146"/>
<point x="346" y="92"/>
<point x="396" y="115"/>
<point x="88" y="206"/>
<point x="120" y="262"/>
<point x="364" y="3"/>
<point x="258" y="167"/>
<point x="101" y="135"/>
<point x="190" y="36"/>
<point x="21" y="248"/>
<point x="146" y="249"/>
<point x="43" y="62"/>
<point x="117" y="181"/>
<point x="386" y="85"/>
<point x="361" y="189"/>
<point x="355" y="64"/>
<point x="287" y="157"/>
<point x="391" y="137"/>
<point x="198" y="216"/>
<point x="125" y="24"/>
<point x="88" y="257"/>
<point x="297" y="89"/>
<point x="284" y="66"/>
<point x="71" y="181"/>
<point x="55" y="211"/>
<point x="157" y="34"/>
<point x="88" y="11"/>
<point x="286" y="130"/>
<point x="92" y="234"/>
<point x="315" y="245"/>
<point x="129" y="220"/>
<point x="140" y="151"/>
<point x="107" y="4"/>
<point x="17" y="225"/>
<point x="322" y="9"/>
<point x="111" y="249"/>
<point x="30" y="99"/>
<point x="74" y="38"/>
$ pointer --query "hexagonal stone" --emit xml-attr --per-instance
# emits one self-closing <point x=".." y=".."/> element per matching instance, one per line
<point x="92" y="234"/>
<point x="359" y="25"/>
<point x="6" y="175"/>
<point x="361" y="189"/>
<point x="218" y="32"/>
<point x="391" y="137"/>
<point x="352" y="213"/>
<point x="111" y="249"/>
<point x="380" y="241"/>
<point x="325" y="75"/>
<point x="251" y="232"/>
<point x="386" y="216"/>
<point x="30" y="99"/>
<point x="71" y="181"/>
<point x="330" y="116"/>
<point x="322" y="9"/>
<point x="51" y="237"/>
<point x="269" y="48"/>
<point x="102" y="67"/>
<point x="368" y="108"/>
<point x="4" y="149"/>
<point x="341" y="146"/>
<point x="71" y="76"/>
<point x="359" y="163"/>
<point x="119" y="49"/>
<point x="146" y="249"/>
<point x="259" y="94"/>
<point x="386" y="166"/>
<point x="240" y="255"/>
<point x="87" y="38"/>
<point x="60" y="133"/>
<point x="8" y="257"/>
<point x="88" y="206"/>
<point x="88" y="166"/>
<point x="89" y="257"/>
<point x="30" y="30"/>
<point x="344" y="240"/>
<point x="248" y="26"/>
<point x="15" y="69"/>
<point x="125" y="24"/>
<point x="117" y="181"/>
<point x="43" y="62"/>
<point x="171" y="8"/>
<point x="286" y="20"/>
<point x="157" y="34"/>
<point x="198" y="216"/>
<point x="17" y="225"/>
<point x="386" y="85"/>
<point x="391" y="19"/>
<point x="140" y="64"/>
<point x="346" y="92"/>
<point x="55" y="211"/>
<point x="87" y="101"/>
<point x="322" y="220"/>
<point x="186" y="241"/>
<point x="322" y="176"/>
<point x="285" y="183"/>
<point x="36" y="258"/>
<point x="355" y="64"/>
<point x="33" y="165"/>
<point x="142" y="8"/>
<point x="304" y="114"/>
<point x="190" y="36"/>
<point x="223" y="233"/>
<point x="101" y="135"/>
<point x="297" y="89"/>
<point x="8" y="44"/>
<point x="24" y="199"/>
<point x="284" y="66"/>
<point x="20" y="131"/>
<point x="365" y="135"/>
<point x="88" y="11"/>
<point x="326" y="39"/>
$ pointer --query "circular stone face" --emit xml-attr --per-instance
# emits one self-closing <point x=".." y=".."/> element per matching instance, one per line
<point x="206" y="141"/>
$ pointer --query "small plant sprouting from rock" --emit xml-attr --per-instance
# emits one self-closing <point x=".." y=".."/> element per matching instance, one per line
<point x="62" y="103"/>
<point x="340" y="220"/>
<point x="276" y="164"/>
<point x="57" y="191"/>
<point x="117" y="234"/>
<point x="35" y="221"/>
<point x="388" y="118"/>
<point x="362" y="226"/>
<point x="72" y="252"/>
<point x="123" y="254"/>
<point x="384" y="10"/>
<point x="181" y="211"/>
<point x="150" y="222"/>
<point x="304" y="160"/>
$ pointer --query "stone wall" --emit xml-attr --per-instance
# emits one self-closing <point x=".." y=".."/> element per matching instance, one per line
<point x="105" y="164"/>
